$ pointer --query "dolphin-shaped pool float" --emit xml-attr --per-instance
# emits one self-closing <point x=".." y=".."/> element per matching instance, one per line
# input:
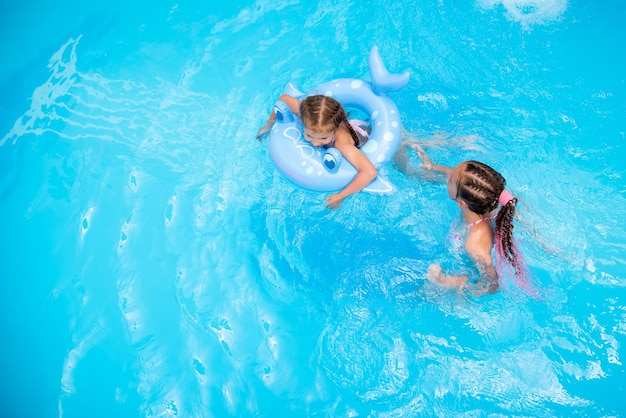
<point x="322" y="170"/>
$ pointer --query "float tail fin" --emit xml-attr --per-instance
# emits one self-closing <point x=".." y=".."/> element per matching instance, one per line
<point x="382" y="80"/>
<point x="380" y="185"/>
<point x="293" y="91"/>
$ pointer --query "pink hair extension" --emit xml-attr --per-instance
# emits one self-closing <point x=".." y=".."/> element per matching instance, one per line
<point x="516" y="267"/>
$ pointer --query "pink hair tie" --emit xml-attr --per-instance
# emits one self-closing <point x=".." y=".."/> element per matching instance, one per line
<point x="505" y="197"/>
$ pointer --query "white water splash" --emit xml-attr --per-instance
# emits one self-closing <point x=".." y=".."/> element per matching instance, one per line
<point x="529" y="12"/>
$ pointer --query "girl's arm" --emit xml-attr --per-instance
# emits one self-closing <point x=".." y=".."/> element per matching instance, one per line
<point x="433" y="171"/>
<point x="488" y="283"/>
<point x="427" y="162"/>
<point x="478" y="247"/>
<point x="435" y="274"/>
<point x="292" y="102"/>
<point x="366" y="172"/>
<point x="294" y="106"/>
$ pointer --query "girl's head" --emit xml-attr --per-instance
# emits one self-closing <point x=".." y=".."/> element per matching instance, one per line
<point x="321" y="116"/>
<point x="476" y="184"/>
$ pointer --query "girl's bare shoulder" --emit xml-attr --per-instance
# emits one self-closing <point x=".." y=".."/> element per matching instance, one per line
<point x="343" y="137"/>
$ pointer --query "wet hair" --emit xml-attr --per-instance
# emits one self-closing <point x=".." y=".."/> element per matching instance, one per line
<point x="319" y="111"/>
<point x="480" y="186"/>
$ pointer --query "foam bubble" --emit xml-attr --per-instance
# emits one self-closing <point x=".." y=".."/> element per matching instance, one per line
<point x="529" y="12"/>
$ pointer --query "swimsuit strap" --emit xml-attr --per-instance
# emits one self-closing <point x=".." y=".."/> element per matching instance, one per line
<point x="475" y="223"/>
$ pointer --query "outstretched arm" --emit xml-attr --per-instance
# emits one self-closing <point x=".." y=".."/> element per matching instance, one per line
<point x="427" y="163"/>
<point x="432" y="171"/>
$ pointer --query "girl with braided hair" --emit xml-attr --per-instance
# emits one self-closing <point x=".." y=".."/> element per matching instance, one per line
<point x="479" y="190"/>
<point x="326" y="124"/>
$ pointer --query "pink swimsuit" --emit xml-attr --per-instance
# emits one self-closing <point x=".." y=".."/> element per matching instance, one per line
<point x="457" y="238"/>
<point x="362" y="130"/>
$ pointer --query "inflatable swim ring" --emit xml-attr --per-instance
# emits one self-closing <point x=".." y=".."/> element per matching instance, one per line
<point x="323" y="170"/>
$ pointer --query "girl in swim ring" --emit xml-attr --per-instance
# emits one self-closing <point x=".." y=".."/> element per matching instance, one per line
<point x="479" y="191"/>
<point x="326" y="125"/>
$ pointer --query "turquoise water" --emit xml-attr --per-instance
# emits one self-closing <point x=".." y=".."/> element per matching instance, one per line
<point x="155" y="263"/>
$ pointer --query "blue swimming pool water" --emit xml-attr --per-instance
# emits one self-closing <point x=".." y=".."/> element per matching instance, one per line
<point x="154" y="262"/>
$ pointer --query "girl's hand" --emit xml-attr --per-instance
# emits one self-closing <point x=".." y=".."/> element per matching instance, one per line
<point x="435" y="273"/>
<point x="333" y="201"/>
<point x="265" y="129"/>
<point x="427" y="162"/>
<point x="294" y="106"/>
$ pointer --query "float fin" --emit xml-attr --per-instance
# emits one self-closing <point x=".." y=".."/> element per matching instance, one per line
<point x="380" y="185"/>
<point x="382" y="80"/>
<point x="293" y="91"/>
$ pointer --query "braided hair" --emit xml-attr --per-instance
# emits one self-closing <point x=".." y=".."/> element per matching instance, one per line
<point x="319" y="112"/>
<point x="480" y="187"/>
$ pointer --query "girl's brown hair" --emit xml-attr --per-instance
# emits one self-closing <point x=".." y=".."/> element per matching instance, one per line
<point x="319" y="112"/>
